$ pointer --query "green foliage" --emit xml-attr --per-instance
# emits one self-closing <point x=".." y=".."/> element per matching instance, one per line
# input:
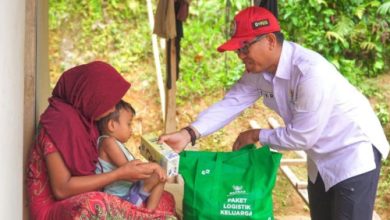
<point x="384" y="9"/>
<point x="369" y="90"/>
<point x="203" y="69"/>
<point x="382" y="113"/>
<point x="111" y="30"/>
<point x="351" y="34"/>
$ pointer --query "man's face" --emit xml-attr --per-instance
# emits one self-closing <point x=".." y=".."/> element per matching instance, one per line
<point x="256" y="55"/>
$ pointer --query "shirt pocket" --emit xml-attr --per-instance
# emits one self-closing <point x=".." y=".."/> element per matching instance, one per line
<point x="268" y="98"/>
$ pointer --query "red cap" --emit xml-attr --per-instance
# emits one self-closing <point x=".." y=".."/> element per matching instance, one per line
<point x="248" y="24"/>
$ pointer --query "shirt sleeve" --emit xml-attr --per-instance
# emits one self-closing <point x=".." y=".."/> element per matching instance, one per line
<point x="242" y="95"/>
<point x="311" y="110"/>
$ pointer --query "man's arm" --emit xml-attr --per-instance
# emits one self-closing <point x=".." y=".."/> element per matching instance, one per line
<point x="242" y="95"/>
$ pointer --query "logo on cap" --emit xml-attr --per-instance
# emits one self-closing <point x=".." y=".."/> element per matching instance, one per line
<point x="233" y="28"/>
<point x="259" y="24"/>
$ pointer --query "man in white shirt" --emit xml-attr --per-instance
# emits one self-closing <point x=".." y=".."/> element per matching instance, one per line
<point x="324" y="115"/>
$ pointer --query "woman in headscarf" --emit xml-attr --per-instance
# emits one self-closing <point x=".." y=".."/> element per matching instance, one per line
<point x="61" y="181"/>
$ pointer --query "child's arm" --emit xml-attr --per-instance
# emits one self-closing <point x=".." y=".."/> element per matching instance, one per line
<point x="110" y="151"/>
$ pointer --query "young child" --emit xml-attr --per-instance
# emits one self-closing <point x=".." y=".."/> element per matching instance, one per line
<point x="115" y="129"/>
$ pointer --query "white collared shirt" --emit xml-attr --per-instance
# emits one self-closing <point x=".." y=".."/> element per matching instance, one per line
<point x="324" y="115"/>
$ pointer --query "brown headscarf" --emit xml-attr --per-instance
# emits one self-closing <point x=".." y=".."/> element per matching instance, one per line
<point x="81" y="95"/>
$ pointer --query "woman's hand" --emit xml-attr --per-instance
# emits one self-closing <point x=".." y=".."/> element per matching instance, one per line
<point x="134" y="170"/>
<point x="64" y="185"/>
<point x="177" y="140"/>
<point x="246" y="137"/>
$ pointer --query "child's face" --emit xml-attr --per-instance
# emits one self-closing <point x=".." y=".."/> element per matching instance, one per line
<point x="122" y="127"/>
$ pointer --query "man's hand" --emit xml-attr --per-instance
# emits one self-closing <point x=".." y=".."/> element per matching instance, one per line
<point x="246" y="137"/>
<point x="177" y="140"/>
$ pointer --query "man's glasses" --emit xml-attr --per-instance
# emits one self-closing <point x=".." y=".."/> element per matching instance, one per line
<point x="247" y="45"/>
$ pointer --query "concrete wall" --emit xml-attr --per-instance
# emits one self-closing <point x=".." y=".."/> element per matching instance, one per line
<point x="12" y="30"/>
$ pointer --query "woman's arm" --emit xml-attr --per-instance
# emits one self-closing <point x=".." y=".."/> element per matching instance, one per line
<point x="64" y="185"/>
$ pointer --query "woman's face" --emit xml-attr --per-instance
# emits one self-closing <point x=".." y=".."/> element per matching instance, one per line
<point x="105" y="114"/>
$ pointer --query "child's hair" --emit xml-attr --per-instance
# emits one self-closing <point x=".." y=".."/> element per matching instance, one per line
<point x="102" y="123"/>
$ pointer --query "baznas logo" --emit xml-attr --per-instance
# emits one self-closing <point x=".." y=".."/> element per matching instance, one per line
<point x="233" y="28"/>
<point x="237" y="188"/>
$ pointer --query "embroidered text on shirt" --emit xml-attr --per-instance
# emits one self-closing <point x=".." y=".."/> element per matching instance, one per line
<point x="266" y="94"/>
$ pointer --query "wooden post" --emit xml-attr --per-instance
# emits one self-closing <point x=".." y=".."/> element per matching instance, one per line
<point x="170" y="118"/>
<point x="30" y="50"/>
<point x="42" y="57"/>
<point x="36" y="75"/>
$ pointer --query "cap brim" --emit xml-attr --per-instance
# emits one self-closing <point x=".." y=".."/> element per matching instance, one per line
<point x="234" y="43"/>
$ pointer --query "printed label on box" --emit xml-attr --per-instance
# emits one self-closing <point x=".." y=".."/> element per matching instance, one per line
<point x="160" y="153"/>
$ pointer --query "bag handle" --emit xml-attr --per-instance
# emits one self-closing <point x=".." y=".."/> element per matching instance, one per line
<point x="218" y="172"/>
<point x="275" y="159"/>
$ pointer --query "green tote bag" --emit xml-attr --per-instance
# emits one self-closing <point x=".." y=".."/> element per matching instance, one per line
<point x="229" y="185"/>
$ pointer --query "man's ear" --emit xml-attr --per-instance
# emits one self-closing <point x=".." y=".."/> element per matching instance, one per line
<point x="272" y="41"/>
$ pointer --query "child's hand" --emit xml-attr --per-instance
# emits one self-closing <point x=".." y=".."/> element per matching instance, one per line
<point x="161" y="172"/>
<point x="157" y="169"/>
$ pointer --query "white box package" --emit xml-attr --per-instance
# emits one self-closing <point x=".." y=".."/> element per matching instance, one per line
<point x="160" y="153"/>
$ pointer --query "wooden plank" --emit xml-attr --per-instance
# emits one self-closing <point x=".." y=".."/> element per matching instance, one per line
<point x="301" y="154"/>
<point x="273" y="122"/>
<point x="170" y="122"/>
<point x="254" y="124"/>
<point x="156" y="56"/>
<point x="301" y="185"/>
<point x="298" y="185"/>
<point x="288" y="161"/>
